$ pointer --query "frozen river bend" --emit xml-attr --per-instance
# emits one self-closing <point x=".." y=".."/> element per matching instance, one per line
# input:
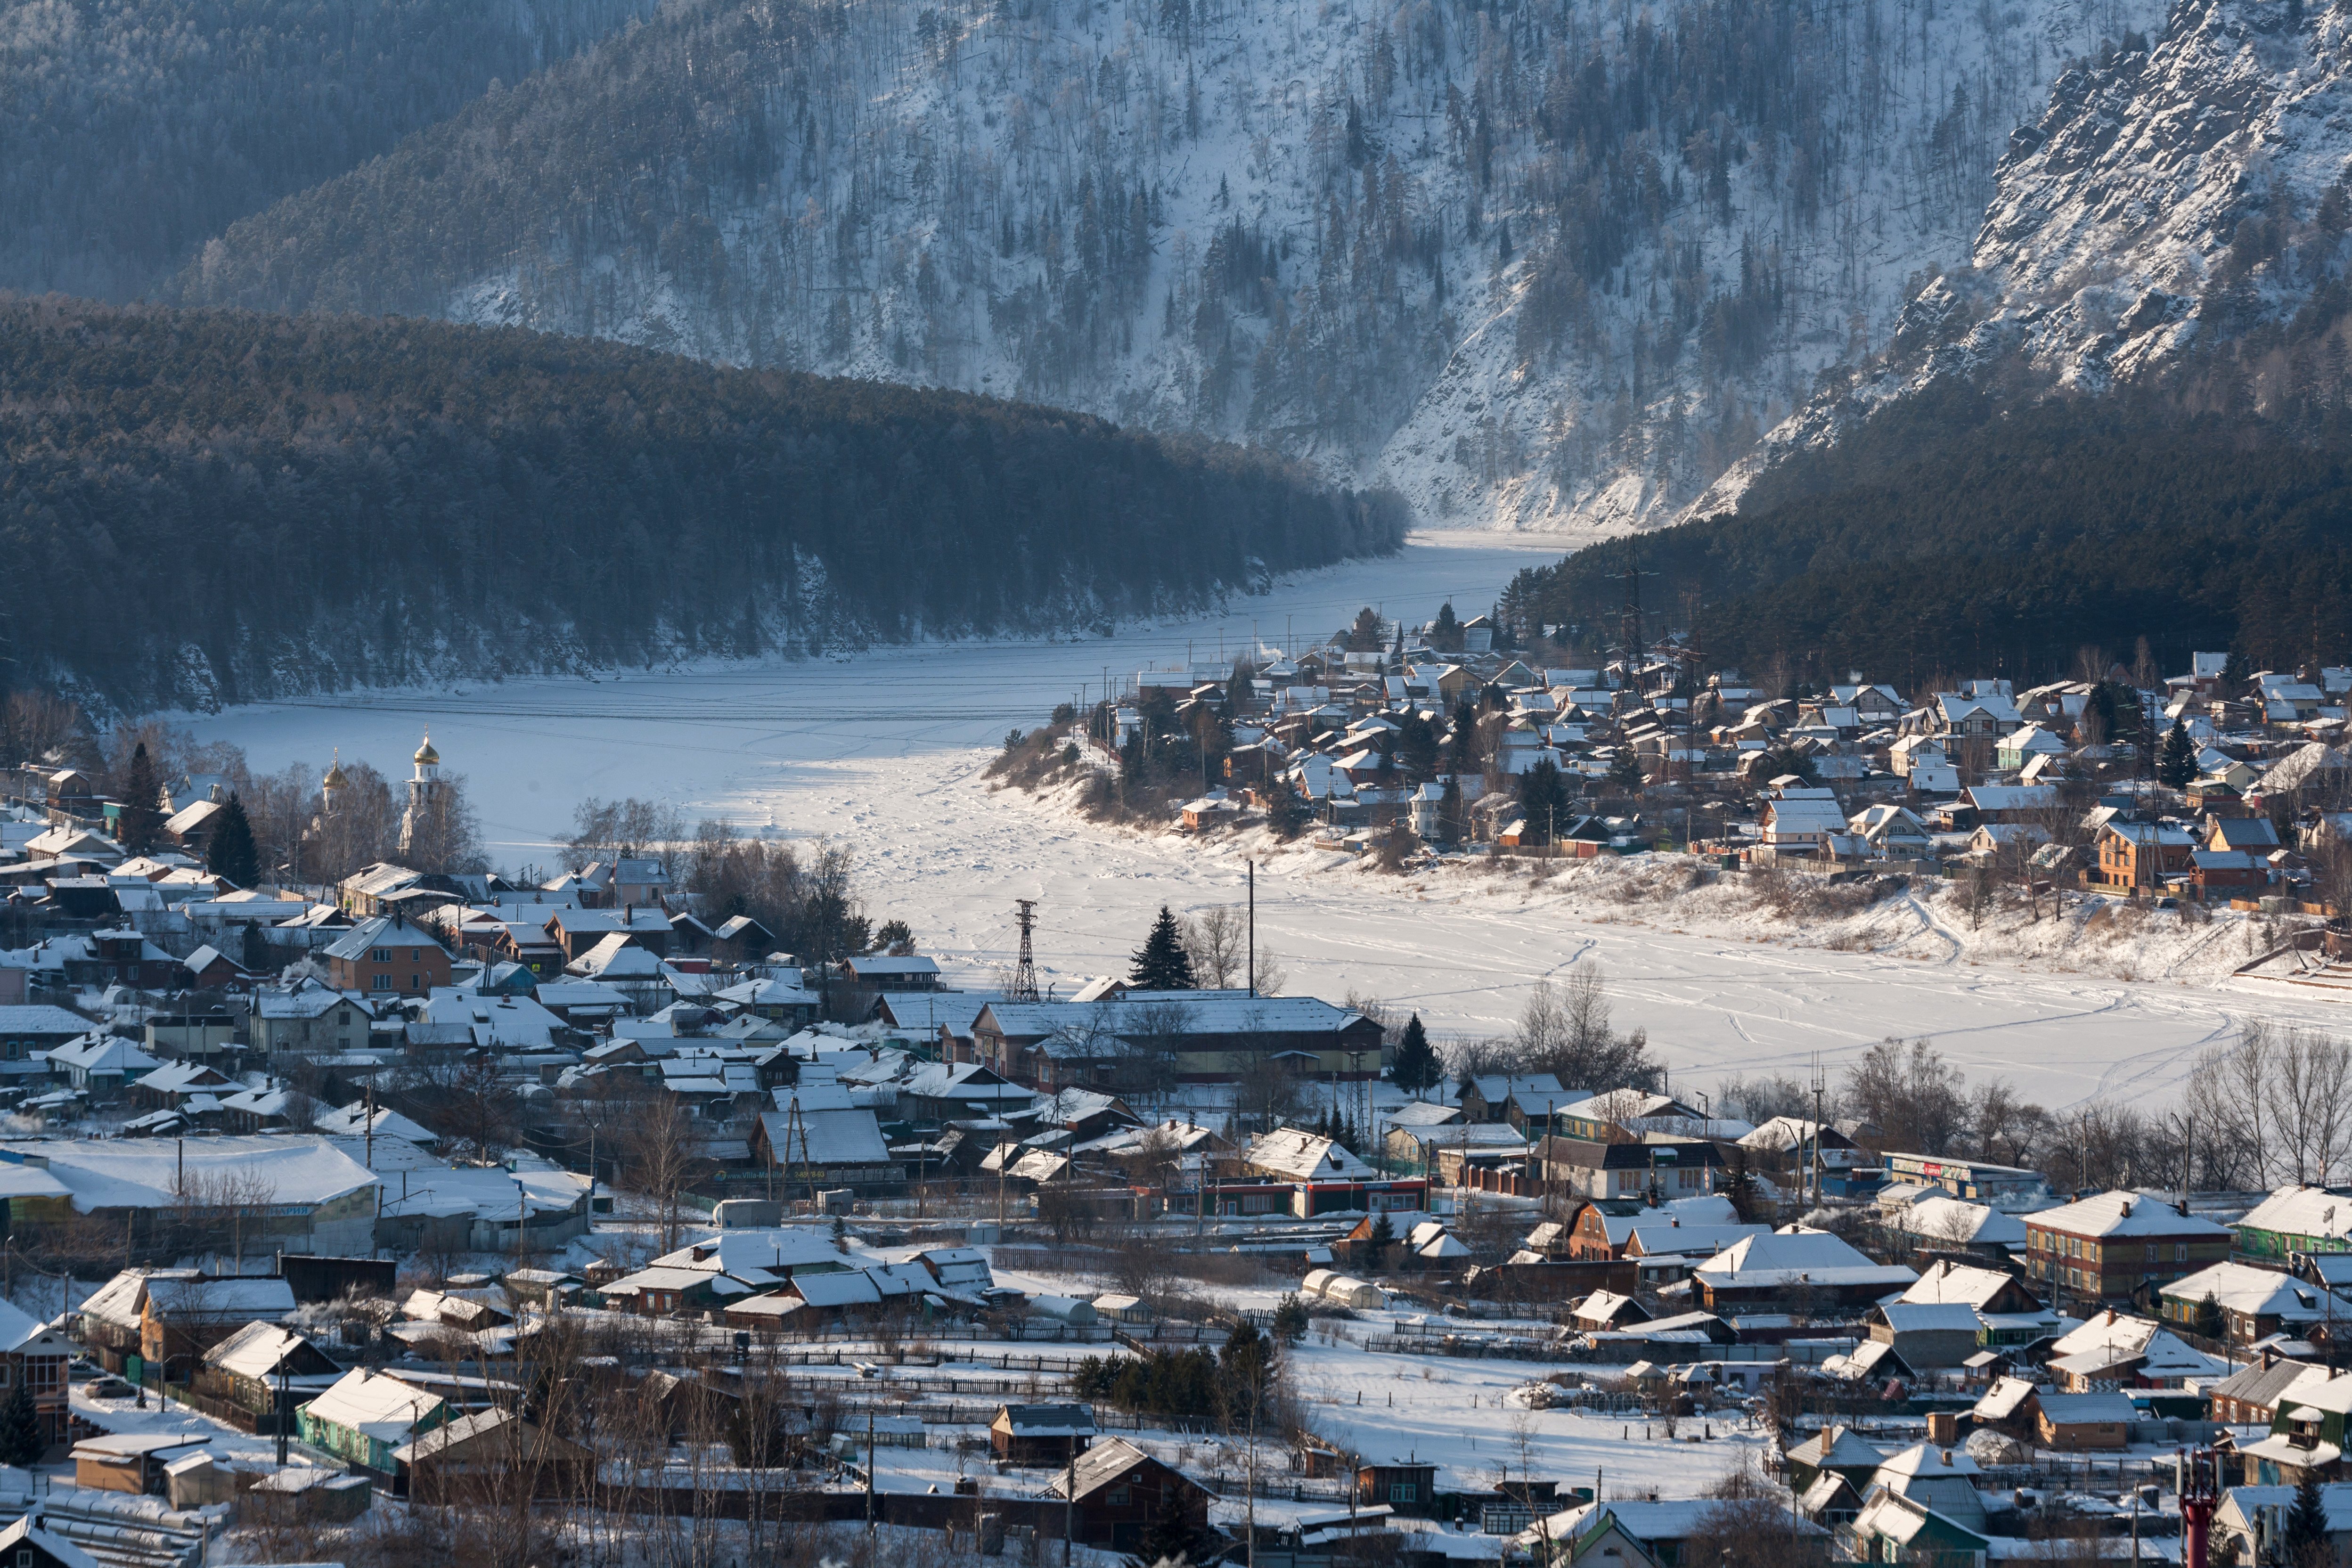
<point x="885" y="751"/>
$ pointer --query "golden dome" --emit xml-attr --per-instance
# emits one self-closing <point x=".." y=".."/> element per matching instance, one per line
<point x="334" y="779"/>
<point x="426" y="753"/>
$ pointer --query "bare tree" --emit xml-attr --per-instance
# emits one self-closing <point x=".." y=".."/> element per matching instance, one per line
<point x="1217" y="942"/>
<point x="628" y="829"/>
<point x="2277" y="1097"/>
<point x="660" y="1160"/>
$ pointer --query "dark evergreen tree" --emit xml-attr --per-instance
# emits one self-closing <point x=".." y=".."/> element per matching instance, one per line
<point x="1543" y="800"/>
<point x="1248" y="1367"/>
<point x="1161" y="963"/>
<point x="1175" y="1536"/>
<point x="1383" y="1237"/>
<point x="20" y="1428"/>
<point x="1626" y="772"/>
<point x="2306" y="1536"/>
<point x="1785" y="761"/>
<point x="1445" y="632"/>
<point x="1287" y="812"/>
<point x="1416" y="1066"/>
<point x="1290" y="1320"/>
<point x="232" y="852"/>
<point x="2210" y="1323"/>
<point x="367" y="437"/>
<point x="140" y="824"/>
<point x="2175" y="765"/>
<point x="253" y="951"/>
<point x="1364" y="636"/>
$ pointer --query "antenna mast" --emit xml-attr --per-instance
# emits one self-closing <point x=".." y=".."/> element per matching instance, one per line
<point x="1025" y="973"/>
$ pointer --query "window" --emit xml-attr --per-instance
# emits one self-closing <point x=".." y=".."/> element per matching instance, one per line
<point x="381" y="983"/>
<point x="416" y="983"/>
<point x="2181" y="1252"/>
<point x="380" y="955"/>
<point x="1404" y="1491"/>
<point x="1117" y="1497"/>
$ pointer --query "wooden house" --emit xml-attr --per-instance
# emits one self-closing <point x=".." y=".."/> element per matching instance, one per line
<point x="1120" y="1491"/>
<point x="1040" y="1434"/>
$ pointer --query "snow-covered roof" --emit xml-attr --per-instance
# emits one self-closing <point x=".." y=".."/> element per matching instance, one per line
<point x="141" y="1173"/>
<point x="1790" y="1258"/>
<point x="1917" y="1317"/>
<point x="220" y="1299"/>
<point x="254" y="1349"/>
<point x="381" y="930"/>
<point x="1953" y="1220"/>
<point x="2124" y="1214"/>
<point x="2294" y="1211"/>
<point x="1305" y="1156"/>
<point x="1958" y="1283"/>
<point x="842" y="1137"/>
<point x="2256" y="1293"/>
<point x="379" y="1407"/>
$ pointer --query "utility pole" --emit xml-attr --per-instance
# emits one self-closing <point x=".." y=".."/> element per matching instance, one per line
<point x="1070" y="1505"/>
<point x="1253" y="926"/>
<point x="1820" y="1085"/>
<point x="869" y="1471"/>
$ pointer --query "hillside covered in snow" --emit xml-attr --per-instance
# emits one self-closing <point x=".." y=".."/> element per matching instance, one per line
<point x="1552" y="263"/>
<point x="2170" y="230"/>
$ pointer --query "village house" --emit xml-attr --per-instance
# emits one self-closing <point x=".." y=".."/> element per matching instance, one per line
<point x="386" y="954"/>
<point x="1120" y="1490"/>
<point x="365" y="1417"/>
<point x="1794" y="1265"/>
<point x="1040" y="1434"/>
<point x="1207" y="1037"/>
<point x="2107" y="1251"/>
<point x="2244" y="1304"/>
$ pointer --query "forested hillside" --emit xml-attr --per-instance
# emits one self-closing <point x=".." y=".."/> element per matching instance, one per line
<point x="213" y="506"/>
<point x="1968" y="532"/>
<point x="132" y="130"/>
<point x="1549" y="262"/>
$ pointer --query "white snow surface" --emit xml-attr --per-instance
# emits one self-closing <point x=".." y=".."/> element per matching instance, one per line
<point x="885" y="752"/>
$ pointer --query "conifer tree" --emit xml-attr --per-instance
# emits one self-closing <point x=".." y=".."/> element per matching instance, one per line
<point x="1161" y="964"/>
<point x="1171" y="1536"/>
<point x="1543" y="800"/>
<point x="232" y="852"/>
<point x="1416" y="1068"/>
<point x="1449" y="810"/>
<point x="1626" y="772"/>
<point x="1383" y="1237"/>
<point x="2176" y="764"/>
<point x="141" y="822"/>
<point x="20" y="1429"/>
<point x="2305" y="1539"/>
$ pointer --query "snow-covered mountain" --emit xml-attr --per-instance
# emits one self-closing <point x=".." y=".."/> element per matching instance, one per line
<point x="1551" y="263"/>
<point x="2176" y="217"/>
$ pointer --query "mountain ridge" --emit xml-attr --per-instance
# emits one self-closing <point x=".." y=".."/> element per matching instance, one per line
<point x="1537" y="265"/>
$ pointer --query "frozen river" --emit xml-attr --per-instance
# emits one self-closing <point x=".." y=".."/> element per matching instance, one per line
<point x="884" y="752"/>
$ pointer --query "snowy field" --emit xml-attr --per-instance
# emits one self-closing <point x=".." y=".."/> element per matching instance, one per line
<point x="885" y="751"/>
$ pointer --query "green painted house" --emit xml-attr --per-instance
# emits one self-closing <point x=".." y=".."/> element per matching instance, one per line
<point x="366" y="1416"/>
<point x="2296" y="1219"/>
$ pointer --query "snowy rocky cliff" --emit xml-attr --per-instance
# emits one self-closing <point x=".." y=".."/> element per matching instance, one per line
<point x="2181" y="204"/>
<point x="1551" y="263"/>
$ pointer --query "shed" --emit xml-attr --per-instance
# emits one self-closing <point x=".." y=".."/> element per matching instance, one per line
<point x="1040" y="1434"/>
<point x="2079" y="1422"/>
<point x="131" y="1462"/>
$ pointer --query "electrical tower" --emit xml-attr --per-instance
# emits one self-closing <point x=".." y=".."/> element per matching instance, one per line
<point x="1025" y="974"/>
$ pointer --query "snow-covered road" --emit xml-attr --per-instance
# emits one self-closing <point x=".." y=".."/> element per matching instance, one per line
<point x="885" y="751"/>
